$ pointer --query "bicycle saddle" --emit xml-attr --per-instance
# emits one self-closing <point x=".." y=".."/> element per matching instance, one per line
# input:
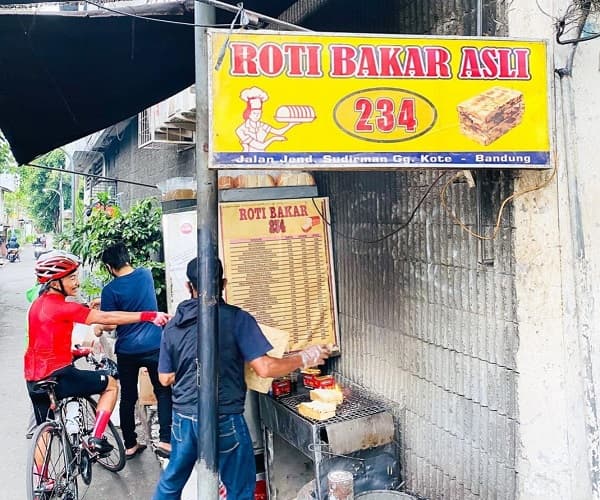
<point x="43" y="386"/>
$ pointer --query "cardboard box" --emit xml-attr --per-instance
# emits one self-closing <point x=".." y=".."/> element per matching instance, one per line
<point x="145" y="389"/>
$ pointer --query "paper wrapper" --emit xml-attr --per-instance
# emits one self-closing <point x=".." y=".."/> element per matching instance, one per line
<point x="279" y="340"/>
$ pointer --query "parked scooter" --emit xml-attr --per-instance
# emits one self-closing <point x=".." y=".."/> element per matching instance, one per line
<point x="12" y="255"/>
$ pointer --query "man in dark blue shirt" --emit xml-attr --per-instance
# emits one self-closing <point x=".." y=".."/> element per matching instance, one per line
<point x="240" y="341"/>
<point x="137" y="345"/>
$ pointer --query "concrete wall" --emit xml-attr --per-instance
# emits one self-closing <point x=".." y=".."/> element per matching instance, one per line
<point x="556" y="242"/>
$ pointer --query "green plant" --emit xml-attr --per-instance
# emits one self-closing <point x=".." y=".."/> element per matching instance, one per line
<point x="139" y="229"/>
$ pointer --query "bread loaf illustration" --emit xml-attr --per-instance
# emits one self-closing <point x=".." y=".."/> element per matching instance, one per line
<point x="488" y="116"/>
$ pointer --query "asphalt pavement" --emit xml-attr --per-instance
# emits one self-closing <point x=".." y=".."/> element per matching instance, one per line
<point x="136" y="481"/>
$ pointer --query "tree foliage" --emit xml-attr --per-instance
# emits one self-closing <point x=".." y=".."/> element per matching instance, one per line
<point x="8" y="165"/>
<point x="139" y="229"/>
<point x="42" y="206"/>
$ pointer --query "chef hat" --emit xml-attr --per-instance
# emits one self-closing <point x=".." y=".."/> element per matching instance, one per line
<point x="255" y="103"/>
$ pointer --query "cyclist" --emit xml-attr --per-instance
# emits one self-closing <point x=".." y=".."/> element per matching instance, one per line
<point x="49" y="354"/>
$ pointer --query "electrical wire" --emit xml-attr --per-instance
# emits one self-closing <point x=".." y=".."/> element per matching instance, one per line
<point x="391" y="233"/>
<point x="578" y="15"/>
<point x="496" y="230"/>
<point x="537" y="2"/>
<point x="93" y="176"/>
<point x="221" y="55"/>
<point x="249" y="17"/>
<point x="153" y="19"/>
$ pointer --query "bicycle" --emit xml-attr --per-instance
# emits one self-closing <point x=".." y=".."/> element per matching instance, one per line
<point x="60" y="454"/>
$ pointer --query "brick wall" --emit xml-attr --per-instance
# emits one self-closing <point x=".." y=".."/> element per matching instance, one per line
<point x="425" y="325"/>
<point x="149" y="166"/>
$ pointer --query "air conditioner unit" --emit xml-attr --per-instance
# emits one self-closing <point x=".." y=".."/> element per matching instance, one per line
<point x="181" y="108"/>
<point x="156" y="131"/>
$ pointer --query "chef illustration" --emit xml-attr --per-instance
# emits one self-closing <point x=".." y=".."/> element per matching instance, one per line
<point x="256" y="135"/>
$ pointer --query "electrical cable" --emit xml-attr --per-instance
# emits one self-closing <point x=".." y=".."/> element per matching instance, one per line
<point x="513" y="196"/>
<point x="579" y="17"/>
<point x="391" y="233"/>
<point x="537" y="2"/>
<point x="251" y="16"/>
<point x="153" y="19"/>
<point x="221" y="55"/>
<point x="94" y="176"/>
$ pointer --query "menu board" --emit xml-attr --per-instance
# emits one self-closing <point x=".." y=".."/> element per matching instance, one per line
<point x="277" y="259"/>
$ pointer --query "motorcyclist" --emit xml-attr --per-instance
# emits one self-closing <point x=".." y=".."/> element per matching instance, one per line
<point x="13" y="246"/>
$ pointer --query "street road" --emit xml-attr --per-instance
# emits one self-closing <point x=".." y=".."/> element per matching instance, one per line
<point x="136" y="481"/>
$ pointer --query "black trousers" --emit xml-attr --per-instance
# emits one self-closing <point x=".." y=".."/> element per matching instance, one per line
<point x="129" y="366"/>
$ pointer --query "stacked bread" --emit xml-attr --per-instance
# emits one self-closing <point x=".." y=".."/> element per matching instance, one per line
<point x="295" y="179"/>
<point x="226" y="182"/>
<point x="263" y="179"/>
<point x="254" y="181"/>
<point x="317" y="410"/>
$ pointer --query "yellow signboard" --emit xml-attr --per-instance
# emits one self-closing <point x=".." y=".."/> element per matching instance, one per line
<point x="278" y="265"/>
<point x="314" y="101"/>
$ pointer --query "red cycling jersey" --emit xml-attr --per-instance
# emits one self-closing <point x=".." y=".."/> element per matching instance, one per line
<point x="51" y="321"/>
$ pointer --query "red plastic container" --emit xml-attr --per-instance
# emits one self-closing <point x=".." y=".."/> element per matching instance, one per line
<point x="281" y="387"/>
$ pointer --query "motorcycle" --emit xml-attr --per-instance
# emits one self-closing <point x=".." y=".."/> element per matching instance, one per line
<point x="12" y="255"/>
<point x="38" y="249"/>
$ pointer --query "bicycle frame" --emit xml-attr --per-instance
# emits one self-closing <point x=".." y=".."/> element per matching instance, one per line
<point x="77" y="459"/>
<point x="75" y="455"/>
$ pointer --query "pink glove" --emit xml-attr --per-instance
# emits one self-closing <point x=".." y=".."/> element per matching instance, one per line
<point x="157" y="318"/>
<point x="313" y="356"/>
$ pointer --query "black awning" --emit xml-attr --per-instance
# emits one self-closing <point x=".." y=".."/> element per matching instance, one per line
<point x="63" y="77"/>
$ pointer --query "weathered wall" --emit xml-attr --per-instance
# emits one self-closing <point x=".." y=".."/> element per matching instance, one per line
<point x="423" y="324"/>
<point x="556" y="242"/>
<point x="125" y="160"/>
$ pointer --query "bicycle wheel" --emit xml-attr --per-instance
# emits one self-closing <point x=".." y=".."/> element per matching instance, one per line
<point x="48" y="474"/>
<point x="116" y="460"/>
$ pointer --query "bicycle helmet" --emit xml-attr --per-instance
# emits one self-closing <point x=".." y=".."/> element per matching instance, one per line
<point x="55" y="265"/>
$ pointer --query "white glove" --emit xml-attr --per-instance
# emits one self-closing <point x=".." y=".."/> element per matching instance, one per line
<point x="313" y="356"/>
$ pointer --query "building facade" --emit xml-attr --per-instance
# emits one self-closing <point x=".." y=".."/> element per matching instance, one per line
<point x="488" y="348"/>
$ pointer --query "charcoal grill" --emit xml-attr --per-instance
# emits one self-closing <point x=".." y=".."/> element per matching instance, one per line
<point x="359" y="438"/>
<point x="357" y="404"/>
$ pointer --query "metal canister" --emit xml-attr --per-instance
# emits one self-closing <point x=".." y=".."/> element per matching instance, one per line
<point x="340" y="485"/>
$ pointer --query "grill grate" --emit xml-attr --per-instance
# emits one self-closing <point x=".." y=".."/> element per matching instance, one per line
<point x="357" y="404"/>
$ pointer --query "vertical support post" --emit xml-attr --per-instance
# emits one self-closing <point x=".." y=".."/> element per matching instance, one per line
<point x="74" y="191"/>
<point x="206" y="203"/>
<point x="61" y="203"/>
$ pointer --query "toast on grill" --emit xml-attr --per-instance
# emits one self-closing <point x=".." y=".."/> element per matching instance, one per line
<point x="317" y="410"/>
<point x="327" y="396"/>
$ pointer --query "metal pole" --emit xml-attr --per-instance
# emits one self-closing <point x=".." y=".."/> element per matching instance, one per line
<point x="207" y="462"/>
<point x="60" y="200"/>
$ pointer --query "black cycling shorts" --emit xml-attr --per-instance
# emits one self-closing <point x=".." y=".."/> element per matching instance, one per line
<point x="70" y="382"/>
